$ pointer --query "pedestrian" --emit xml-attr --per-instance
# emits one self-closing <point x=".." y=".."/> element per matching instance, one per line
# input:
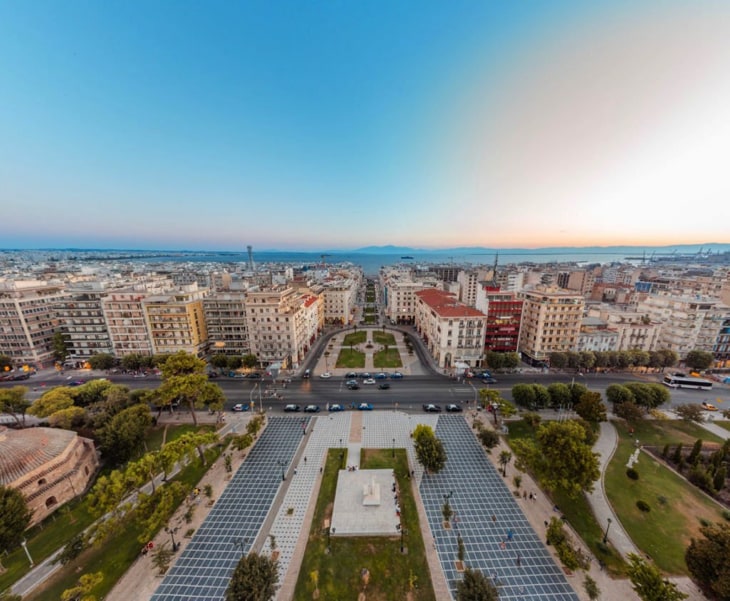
<point x="494" y="519"/>
<point x="295" y="471"/>
<point x="305" y="459"/>
<point x="320" y="470"/>
<point x="530" y="496"/>
<point x="503" y="545"/>
<point x="510" y="534"/>
<point x="518" y="560"/>
<point x="524" y="494"/>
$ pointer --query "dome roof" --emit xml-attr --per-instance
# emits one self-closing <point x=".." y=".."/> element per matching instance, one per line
<point x="22" y="451"/>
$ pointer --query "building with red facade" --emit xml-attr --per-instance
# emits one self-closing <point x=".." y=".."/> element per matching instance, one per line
<point x="504" y="317"/>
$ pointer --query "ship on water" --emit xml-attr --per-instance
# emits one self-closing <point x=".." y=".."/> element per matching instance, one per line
<point x="407" y="257"/>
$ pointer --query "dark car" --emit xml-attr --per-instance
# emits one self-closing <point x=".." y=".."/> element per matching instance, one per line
<point x="431" y="408"/>
<point x="451" y="408"/>
<point x="350" y="375"/>
<point x="254" y="376"/>
<point x="396" y="375"/>
<point x="383" y="386"/>
<point x="311" y="409"/>
<point x="212" y="375"/>
<point x="24" y="375"/>
<point x="352" y="385"/>
<point x="291" y="408"/>
<point x="489" y="380"/>
<point x="77" y="383"/>
<point x="365" y="376"/>
<point x="381" y="376"/>
<point x="336" y="407"/>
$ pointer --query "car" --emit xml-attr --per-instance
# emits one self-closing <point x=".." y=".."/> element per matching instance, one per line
<point x="235" y="374"/>
<point x="326" y="375"/>
<point x="708" y="406"/>
<point x="352" y="384"/>
<point x="335" y="407"/>
<point x="489" y="380"/>
<point x="212" y="374"/>
<point x="350" y="375"/>
<point x="396" y="375"/>
<point x="365" y="407"/>
<point x="307" y="373"/>
<point x="451" y="408"/>
<point x="383" y="386"/>
<point x="431" y="408"/>
<point x="77" y="383"/>
<point x="365" y="376"/>
<point x="381" y="376"/>
<point x="23" y="375"/>
<point x="291" y="408"/>
<point x="254" y="376"/>
<point x="311" y="409"/>
<point x="368" y="381"/>
<point x="240" y="407"/>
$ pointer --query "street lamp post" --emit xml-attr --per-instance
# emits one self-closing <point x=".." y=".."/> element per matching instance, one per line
<point x="403" y="532"/>
<point x="605" y="536"/>
<point x="240" y="543"/>
<point x="25" y="548"/>
<point x="171" y="532"/>
<point x="281" y="464"/>
<point x="394" y="447"/>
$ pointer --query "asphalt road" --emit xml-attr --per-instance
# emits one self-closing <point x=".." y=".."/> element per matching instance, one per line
<point x="406" y="394"/>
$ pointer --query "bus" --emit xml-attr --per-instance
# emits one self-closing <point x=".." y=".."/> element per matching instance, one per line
<point x="683" y="381"/>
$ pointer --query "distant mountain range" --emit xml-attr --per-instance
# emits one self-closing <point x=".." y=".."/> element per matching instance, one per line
<point x="714" y="247"/>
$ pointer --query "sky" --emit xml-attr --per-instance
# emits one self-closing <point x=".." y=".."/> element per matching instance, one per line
<point x="307" y="125"/>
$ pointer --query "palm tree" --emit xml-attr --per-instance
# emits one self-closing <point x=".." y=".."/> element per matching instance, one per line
<point x="504" y="458"/>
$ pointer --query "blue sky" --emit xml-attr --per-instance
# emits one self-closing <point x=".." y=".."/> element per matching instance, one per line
<point x="308" y="125"/>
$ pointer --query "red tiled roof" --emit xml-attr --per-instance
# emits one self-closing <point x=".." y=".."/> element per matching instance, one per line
<point x="446" y="305"/>
<point x="22" y="451"/>
<point x="309" y="301"/>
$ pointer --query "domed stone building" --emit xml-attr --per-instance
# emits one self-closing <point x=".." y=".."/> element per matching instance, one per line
<point x="47" y="465"/>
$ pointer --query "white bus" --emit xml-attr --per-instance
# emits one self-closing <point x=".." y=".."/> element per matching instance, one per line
<point x="683" y="381"/>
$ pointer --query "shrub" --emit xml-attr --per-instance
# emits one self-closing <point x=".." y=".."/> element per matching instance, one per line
<point x="189" y="532"/>
<point x="643" y="506"/>
<point x="662" y="500"/>
<point x="704" y="522"/>
<point x="665" y="451"/>
<point x="632" y="473"/>
<point x="726" y="515"/>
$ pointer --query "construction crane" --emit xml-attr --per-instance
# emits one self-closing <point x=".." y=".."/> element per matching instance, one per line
<point x="323" y="256"/>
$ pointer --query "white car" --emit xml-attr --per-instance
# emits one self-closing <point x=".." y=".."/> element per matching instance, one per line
<point x="368" y="381"/>
<point x="325" y="375"/>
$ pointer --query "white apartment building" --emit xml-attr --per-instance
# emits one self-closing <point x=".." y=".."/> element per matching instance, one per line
<point x="126" y="323"/>
<point x="339" y="298"/>
<point x="83" y="322"/>
<point x="510" y="281"/>
<point x="225" y="319"/>
<point x="452" y="332"/>
<point x="28" y="321"/>
<point x="400" y="298"/>
<point x="551" y="321"/>
<point x="688" y="323"/>
<point x="596" y="336"/>
<point x="636" y="331"/>
<point x="468" y="282"/>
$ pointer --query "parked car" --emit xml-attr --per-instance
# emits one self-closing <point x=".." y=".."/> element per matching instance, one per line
<point x="254" y="376"/>
<point x="368" y="381"/>
<point x="291" y="408"/>
<point x="365" y="406"/>
<point x="381" y="376"/>
<point x="212" y="374"/>
<point x="235" y="374"/>
<point x="326" y="375"/>
<point x="307" y="373"/>
<point x="336" y="407"/>
<point x="431" y="408"/>
<point x="240" y="407"/>
<point x="311" y="409"/>
<point x="350" y="375"/>
<point x="451" y="408"/>
<point x="383" y="386"/>
<point x="708" y="406"/>
<point x="365" y="375"/>
<point x="396" y="375"/>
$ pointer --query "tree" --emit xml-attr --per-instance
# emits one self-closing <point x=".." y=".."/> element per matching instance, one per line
<point x="250" y="361"/>
<point x="587" y="360"/>
<point x="102" y="361"/>
<point x="616" y="394"/>
<point x="542" y="396"/>
<point x="14" y="403"/>
<point x="489" y="438"/>
<point x="124" y="434"/>
<point x="82" y="590"/>
<point x="504" y="458"/>
<point x="668" y="358"/>
<point x="639" y="358"/>
<point x="254" y="579"/>
<point x="648" y="583"/>
<point x="576" y="392"/>
<point x="495" y="360"/>
<point x="699" y="359"/>
<point x="60" y="348"/>
<point x="132" y="362"/>
<point x="68" y="419"/>
<point x="690" y="412"/>
<point x="559" y="394"/>
<point x="558" y="360"/>
<point x="591" y="407"/>
<point x="561" y="457"/>
<point x="474" y="586"/>
<point x="511" y="360"/>
<point x="54" y="400"/>
<point x="629" y="411"/>
<point x="219" y="361"/>
<point x="429" y="449"/>
<point x="591" y="588"/>
<point x="524" y="395"/>
<point x="708" y="559"/>
<point x="14" y="517"/>
<point x="573" y="359"/>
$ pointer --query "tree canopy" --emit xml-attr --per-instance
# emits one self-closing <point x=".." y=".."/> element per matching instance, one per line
<point x="708" y="560"/>
<point x="430" y="450"/>
<point x="647" y="581"/>
<point x="254" y="579"/>
<point x="14" y="517"/>
<point x="699" y="359"/>
<point x="591" y="407"/>
<point x="14" y="403"/>
<point x="475" y="586"/>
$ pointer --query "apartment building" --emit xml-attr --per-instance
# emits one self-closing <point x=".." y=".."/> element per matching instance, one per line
<point x="176" y="321"/>
<point x="225" y="320"/>
<point x="399" y="292"/>
<point x="688" y="323"/>
<point x="579" y="280"/>
<point x="551" y="320"/>
<point x="339" y="299"/>
<point x="595" y="335"/>
<point x="722" y="346"/>
<point x="452" y="332"/>
<point x="504" y="317"/>
<point x="83" y="322"/>
<point x="125" y="321"/>
<point x="468" y="281"/>
<point x="28" y="321"/>
<point x="636" y="331"/>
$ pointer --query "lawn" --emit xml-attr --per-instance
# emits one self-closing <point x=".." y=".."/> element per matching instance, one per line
<point x="389" y="358"/>
<point x="118" y="552"/>
<point x="369" y="319"/>
<point x="723" y="424"/>
<point x="578" y="514"/>
<point x="348" y="358"/>
<point x="391" y="572"/>
<point x="370" y="297"/>
<point x="355" y="338"/>
<point x="677" y="507"/>
<point x="383" y="338"/>
<point x="156" y="435"/>
<point x="368" y="310"/>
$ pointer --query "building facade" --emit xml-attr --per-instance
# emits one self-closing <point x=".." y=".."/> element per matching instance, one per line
<point x="176" y="322"/>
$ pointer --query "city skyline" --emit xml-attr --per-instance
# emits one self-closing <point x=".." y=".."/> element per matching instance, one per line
<point x="326" y="126"/>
